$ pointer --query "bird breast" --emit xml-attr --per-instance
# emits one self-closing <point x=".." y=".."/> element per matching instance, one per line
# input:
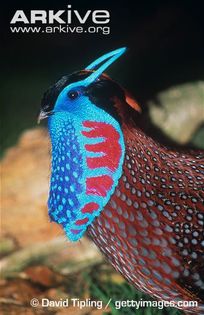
<point x="152" y="228"/>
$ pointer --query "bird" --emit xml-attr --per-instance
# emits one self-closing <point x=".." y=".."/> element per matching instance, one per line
<point x="141" y="202"/>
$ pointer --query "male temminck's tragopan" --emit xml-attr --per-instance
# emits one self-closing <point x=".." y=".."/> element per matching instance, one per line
<point x="139" y="201"/>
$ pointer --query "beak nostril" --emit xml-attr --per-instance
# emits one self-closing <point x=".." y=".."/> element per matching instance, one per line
<point x="43" y="115"/>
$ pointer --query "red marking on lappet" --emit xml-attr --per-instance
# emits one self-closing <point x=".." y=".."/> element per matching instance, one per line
<point x="98" y="185"/>
<point x="110" y="147"/>
<point x="90" y="207"/>
<point x="82" y="221"/>
<point x="75" y="231"/>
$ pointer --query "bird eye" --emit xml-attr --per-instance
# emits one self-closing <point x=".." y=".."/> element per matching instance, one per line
<point x="73" y="95"/>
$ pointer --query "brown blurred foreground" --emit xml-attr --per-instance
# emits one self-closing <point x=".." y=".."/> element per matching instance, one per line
<point x="37" y="259"/>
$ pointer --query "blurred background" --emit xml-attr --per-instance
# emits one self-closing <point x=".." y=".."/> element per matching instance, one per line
<point x="163" y="69"/>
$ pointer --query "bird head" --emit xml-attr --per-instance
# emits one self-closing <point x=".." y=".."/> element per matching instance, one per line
<point x="72" y="92"/>
<point x="85" y="112"/>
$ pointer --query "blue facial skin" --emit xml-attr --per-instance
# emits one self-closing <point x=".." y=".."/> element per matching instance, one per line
<point x="69" y="168"/>
<point x="68" y="196"/>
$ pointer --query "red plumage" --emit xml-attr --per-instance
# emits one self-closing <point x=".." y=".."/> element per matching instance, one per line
<point x="152" y="228"/>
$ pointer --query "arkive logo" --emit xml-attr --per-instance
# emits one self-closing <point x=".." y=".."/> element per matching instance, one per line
<point x="61" y="16"/>
<point x="63" y="21"/>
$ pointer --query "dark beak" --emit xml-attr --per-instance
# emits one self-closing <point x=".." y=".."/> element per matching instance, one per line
<point x="43" y="115"/>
